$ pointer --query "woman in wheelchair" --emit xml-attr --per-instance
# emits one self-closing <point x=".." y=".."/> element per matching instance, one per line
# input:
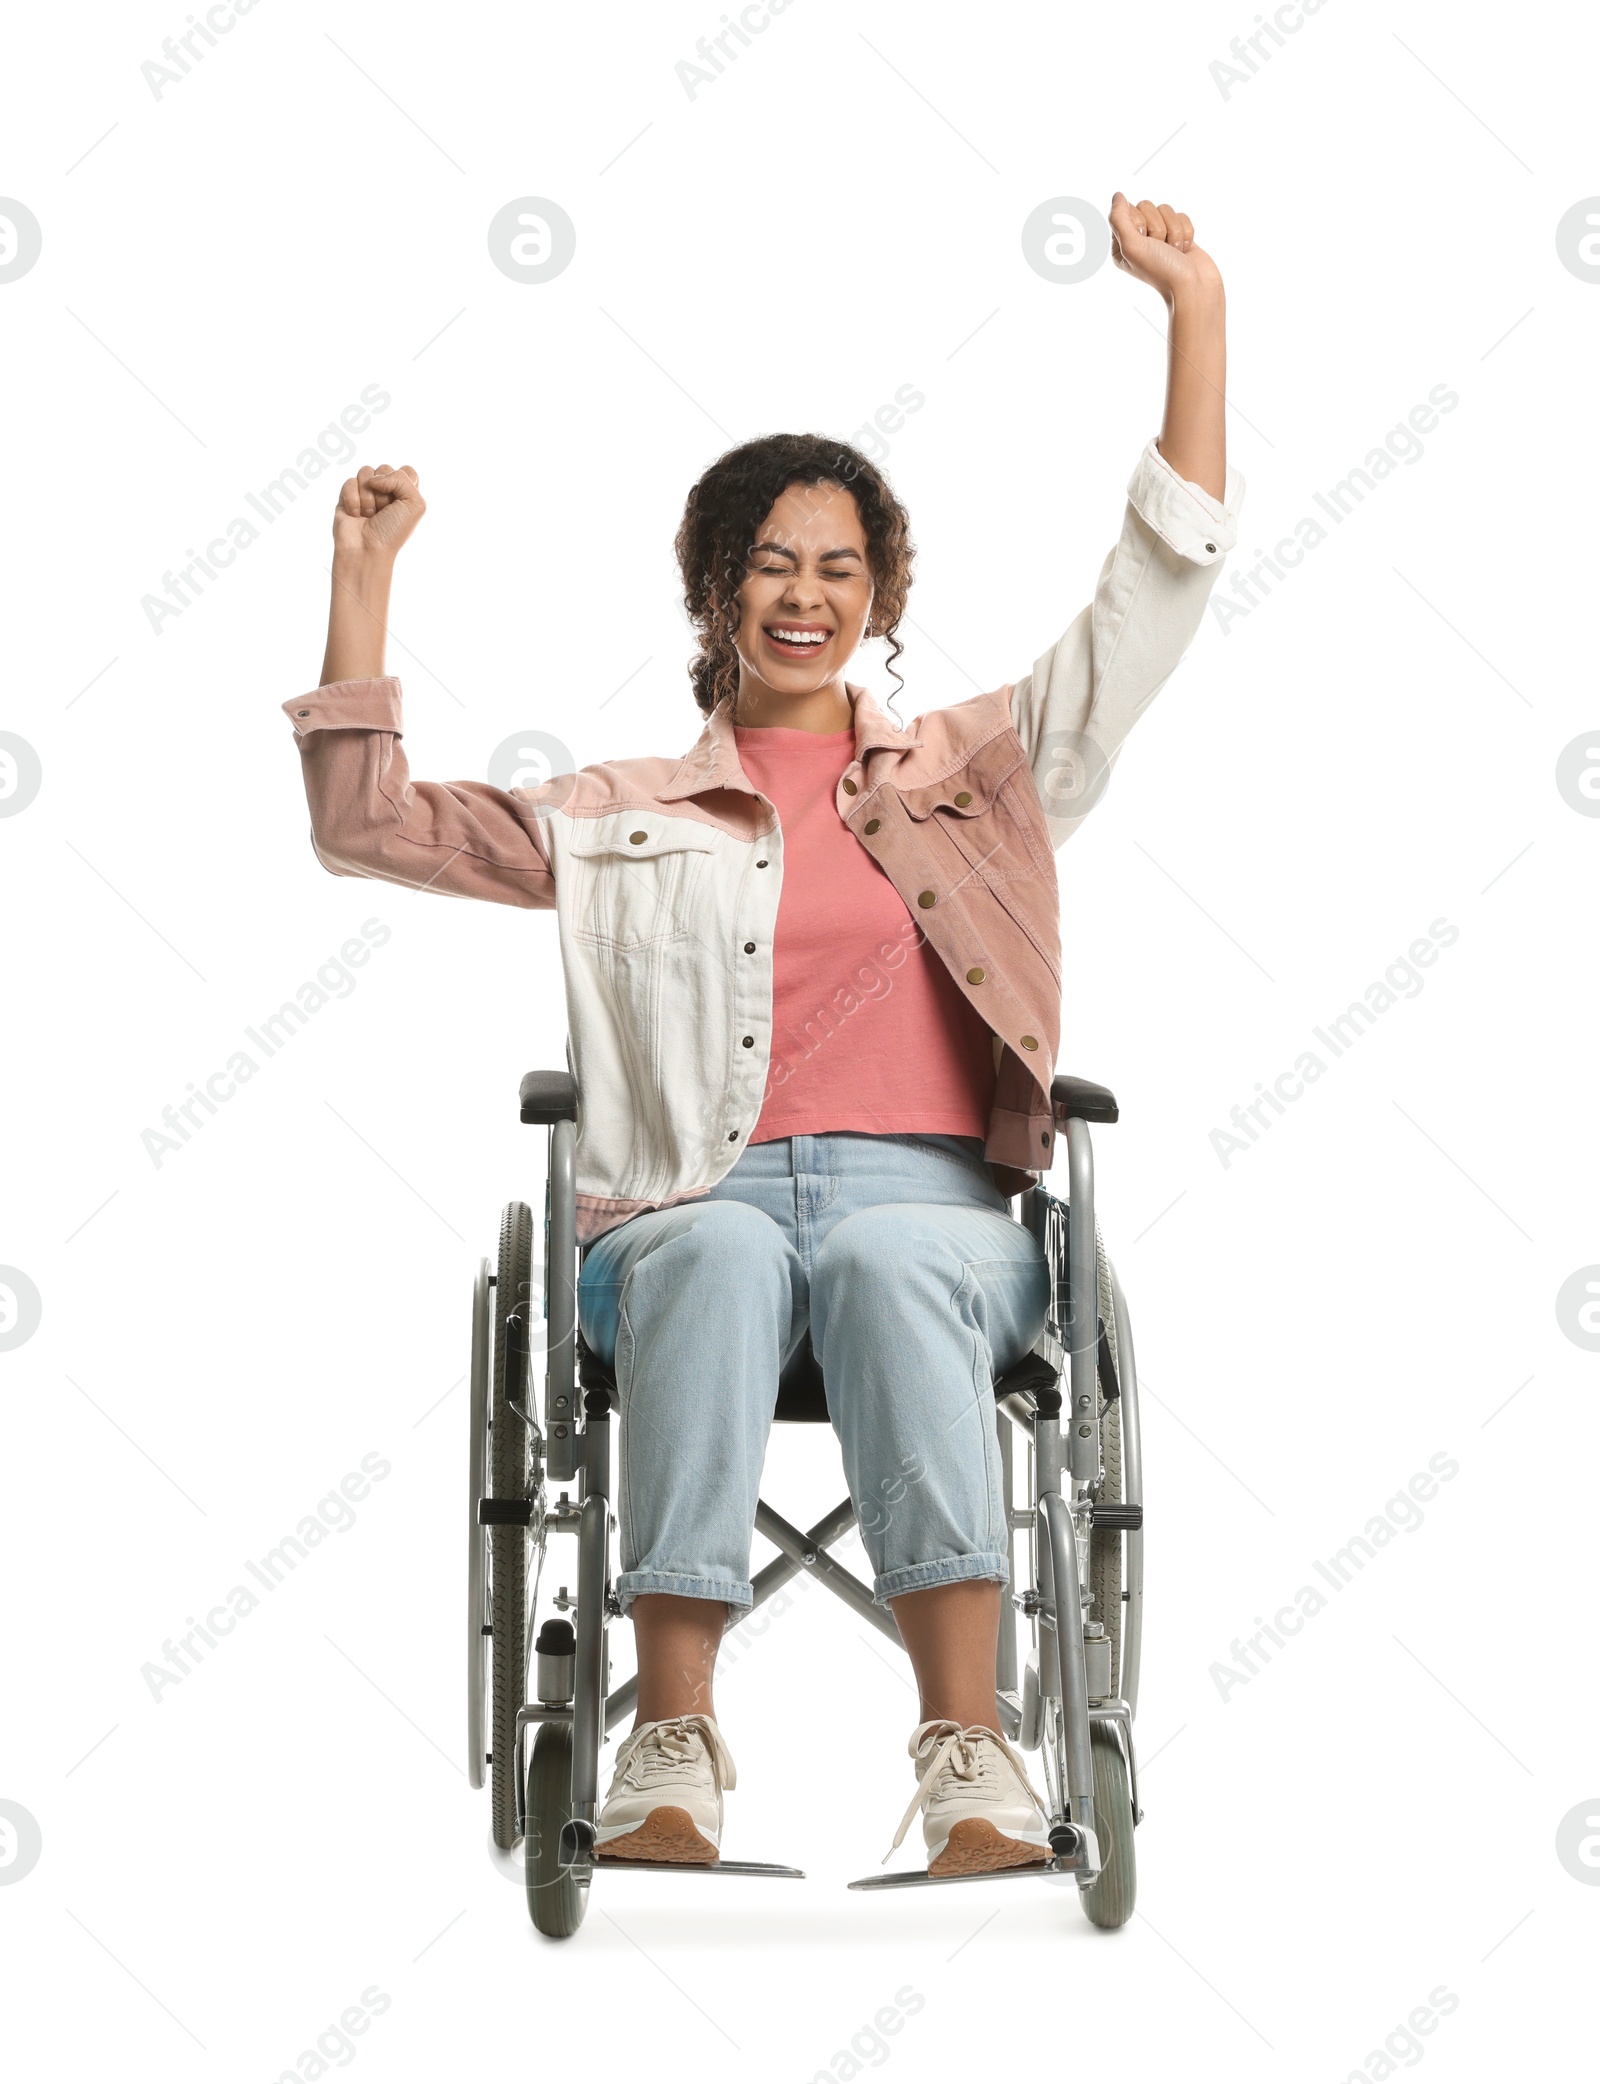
<point x="813" y="979"/>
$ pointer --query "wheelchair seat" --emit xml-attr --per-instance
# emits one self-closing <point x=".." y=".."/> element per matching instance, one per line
<point x="802" y="1400"/>
<point x="803" y="1396"/>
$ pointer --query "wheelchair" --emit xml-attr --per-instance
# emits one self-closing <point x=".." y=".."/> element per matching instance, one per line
<point x="1067" y="1666"/>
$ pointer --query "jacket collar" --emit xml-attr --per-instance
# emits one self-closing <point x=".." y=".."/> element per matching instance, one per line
<point x="713" y="761"/>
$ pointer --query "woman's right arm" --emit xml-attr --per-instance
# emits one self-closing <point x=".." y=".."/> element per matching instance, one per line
<point x="368" y="817"/>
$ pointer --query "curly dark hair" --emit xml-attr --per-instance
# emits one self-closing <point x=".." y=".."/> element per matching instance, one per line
<point x="723" y="515"/>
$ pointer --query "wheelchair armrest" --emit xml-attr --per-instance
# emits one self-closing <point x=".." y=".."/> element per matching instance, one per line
<point x="549" y="1096"/>
<point x="1078" y="1098"/>
<point x="552" y="1096"/>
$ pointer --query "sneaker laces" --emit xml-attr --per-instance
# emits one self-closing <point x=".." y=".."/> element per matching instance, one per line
<point x="659" y="1751"/>
<point x="971" y="1755"/>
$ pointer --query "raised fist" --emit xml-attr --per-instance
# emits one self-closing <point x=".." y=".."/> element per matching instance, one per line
<point x="1156" y="243"/>
<point x="377" y="511"/>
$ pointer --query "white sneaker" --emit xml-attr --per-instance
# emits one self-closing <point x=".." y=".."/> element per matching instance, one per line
<point x="979" y="1812"/>
<point x="666" y="1793"/>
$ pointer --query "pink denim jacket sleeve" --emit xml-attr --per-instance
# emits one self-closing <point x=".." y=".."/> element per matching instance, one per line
<point x="369" y="818"/>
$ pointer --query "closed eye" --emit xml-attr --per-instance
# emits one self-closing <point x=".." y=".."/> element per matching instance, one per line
<point x="829" y="571"/>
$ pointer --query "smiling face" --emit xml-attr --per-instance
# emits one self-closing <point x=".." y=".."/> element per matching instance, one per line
<point x="805" y="600"/>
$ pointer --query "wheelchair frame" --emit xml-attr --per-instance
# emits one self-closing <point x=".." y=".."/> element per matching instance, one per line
<point x="1072" y="1695"/>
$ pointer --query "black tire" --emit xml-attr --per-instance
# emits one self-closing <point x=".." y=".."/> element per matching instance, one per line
<point x="508" y="1545"/>
<point x="1106" y="1545"/>
<point x="556" y="1903"/>
<point x="1109" y="1901"/>
<point x="478" y="1381"/>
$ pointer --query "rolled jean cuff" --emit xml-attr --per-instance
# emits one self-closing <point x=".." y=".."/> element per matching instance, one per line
<point x="950" y="1570"/>
<point x="736" y="1591"/>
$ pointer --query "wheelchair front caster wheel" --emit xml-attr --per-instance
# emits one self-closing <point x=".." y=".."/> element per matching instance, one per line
<point x="1108" y="1901"/>
<point x="556" y="1899"/>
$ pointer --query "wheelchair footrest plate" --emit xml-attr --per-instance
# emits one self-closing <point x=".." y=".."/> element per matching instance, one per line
<point x="756" y="1867"/>
<point x="1066" y="1869"/>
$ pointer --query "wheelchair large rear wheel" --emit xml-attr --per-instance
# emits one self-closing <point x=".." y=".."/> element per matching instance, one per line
<point x="478" y="1625"/>
<point x="1106" y="1544"/>
<point x="1108" y="1902"/>
<point x="556" y="1903"/>
<point x="508" y="1543"/>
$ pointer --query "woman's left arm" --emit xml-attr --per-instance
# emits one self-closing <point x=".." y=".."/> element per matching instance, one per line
<point x="1076" y="707"/>
<point x="1155" y="244"/>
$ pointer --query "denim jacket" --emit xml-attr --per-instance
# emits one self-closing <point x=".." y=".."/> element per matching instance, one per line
<point x="664" y="873"/>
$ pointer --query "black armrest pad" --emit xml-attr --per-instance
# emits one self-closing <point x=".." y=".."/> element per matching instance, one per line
<point x="549" y="1096"/>
<point x="1082" y="1098"/>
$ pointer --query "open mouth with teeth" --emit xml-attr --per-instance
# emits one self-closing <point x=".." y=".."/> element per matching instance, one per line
<point x="796" y="639"/>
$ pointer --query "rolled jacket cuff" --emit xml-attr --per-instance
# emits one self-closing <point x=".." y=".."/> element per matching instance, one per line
<point x="347" y="705"/>
<point x="1185" y="516"/>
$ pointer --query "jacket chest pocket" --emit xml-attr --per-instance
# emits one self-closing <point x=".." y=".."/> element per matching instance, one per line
<point x="975" y="813"/>
<point x="638" y="878"/>
<point x="967" y="796"/>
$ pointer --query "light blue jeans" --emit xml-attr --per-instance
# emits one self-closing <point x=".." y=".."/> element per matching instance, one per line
<point x="918" y="1286"/>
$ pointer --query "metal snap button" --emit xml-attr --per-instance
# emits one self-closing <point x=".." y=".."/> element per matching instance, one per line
<point x="302" y="712"/>
<point x="733" y="1136"/>
<point x="637" y="839"/>
<point x="850" y="788"/>
<point x="872" y="824"/>
<point x="1212" y="548"/>
<point x="749" y="947"/>
<point x="749" y="1041"/>
<point x="976" y="976"/>
<point x="926" y="899"/>
<point x="761" y="864"/>
<point x="963" y="798"/>
<point x="1030" y="1042"/>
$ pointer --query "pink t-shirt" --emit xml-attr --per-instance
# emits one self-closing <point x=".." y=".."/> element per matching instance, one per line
<point x="869" y="1031"/>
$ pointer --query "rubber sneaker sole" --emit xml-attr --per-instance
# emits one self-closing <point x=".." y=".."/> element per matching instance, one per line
<point x="976" y="1847"/>
<point x="669" y="1834"/>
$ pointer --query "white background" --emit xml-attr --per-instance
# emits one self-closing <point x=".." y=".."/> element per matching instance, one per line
<point x="1375" y="1813"/>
